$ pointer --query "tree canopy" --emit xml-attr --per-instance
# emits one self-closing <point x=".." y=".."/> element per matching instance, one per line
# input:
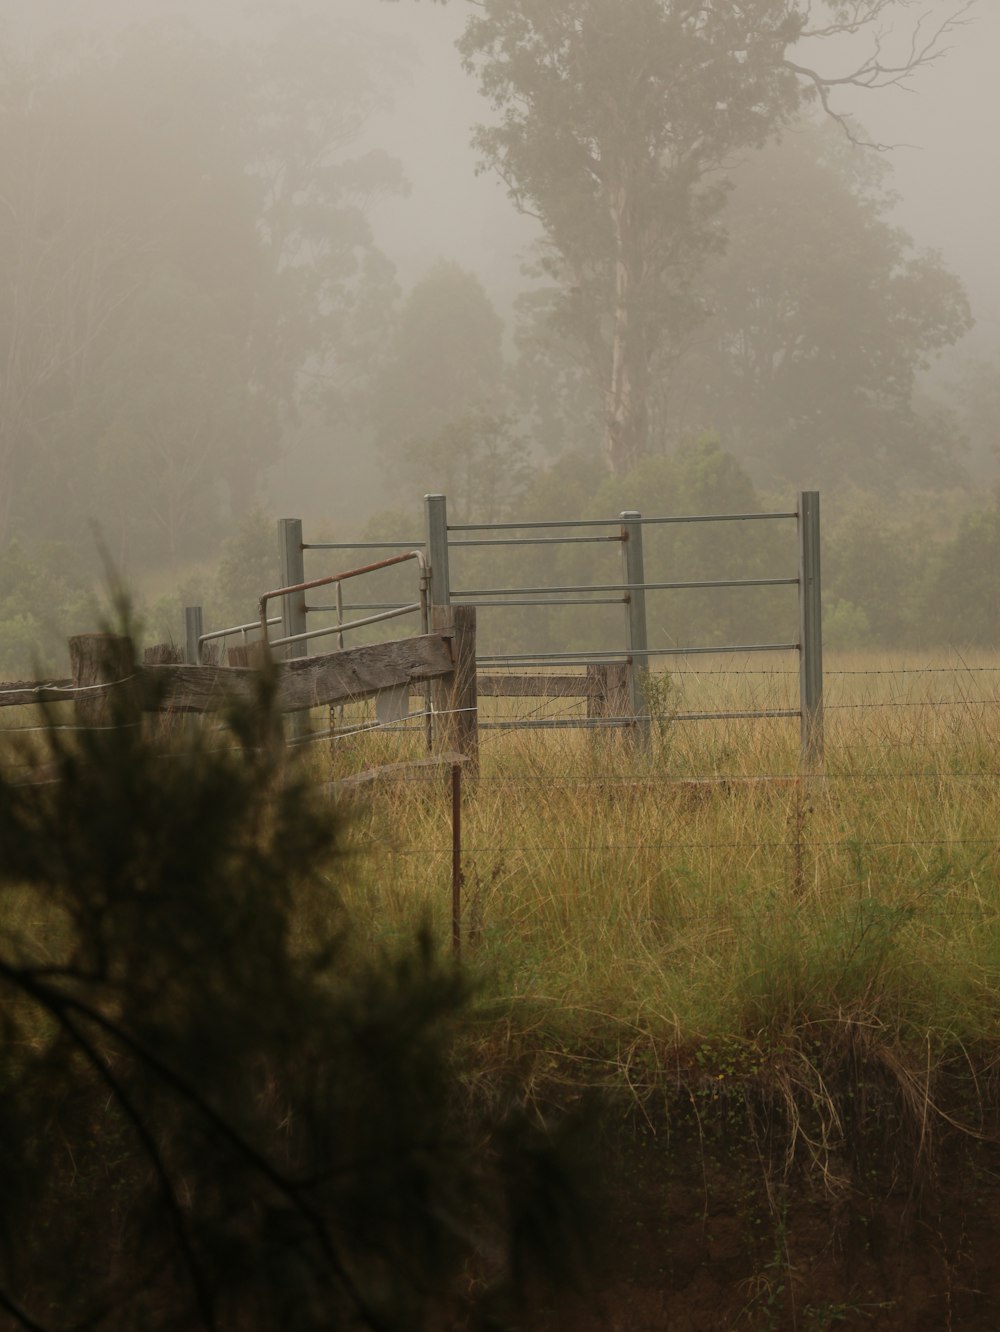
<point x="820" y="315"/>
<point x="444" y="359"/>
<point x="183" y="247"/>
<point x="220" y="1110"/>
<point x="440" y="398"/>
<point x="617" y="125"/>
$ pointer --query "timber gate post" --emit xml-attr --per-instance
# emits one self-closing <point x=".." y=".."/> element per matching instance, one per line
<point x="105" y="659"/>
<point x="161" y="654"/>
<point x="607" y="684"/>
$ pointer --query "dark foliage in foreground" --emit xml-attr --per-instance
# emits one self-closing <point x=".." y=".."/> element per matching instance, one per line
<point x="213" y="1111"/>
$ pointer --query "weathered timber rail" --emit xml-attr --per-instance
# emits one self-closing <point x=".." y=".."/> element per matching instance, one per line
<point x="604" y="687"/>
<point x="108" y="686"/>
<point x="304" y="682"/>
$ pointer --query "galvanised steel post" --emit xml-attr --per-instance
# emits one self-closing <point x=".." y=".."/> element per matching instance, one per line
<point x="292" y="572"/>
<point x="291" y="556"/>
<point x="636" y="640"/>
<point x="810" y="630"/>
<point x="436" y="538"/>
<point x="193" y="630"/>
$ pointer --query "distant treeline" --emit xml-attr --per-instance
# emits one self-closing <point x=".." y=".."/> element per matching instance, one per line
<point x="923" y="573"/>
<point x="197" y="322"/>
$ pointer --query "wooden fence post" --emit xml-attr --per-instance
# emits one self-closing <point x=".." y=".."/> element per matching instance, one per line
<point x="161" y="654"/>
<point x="456" y="696"/>
<point x="248" y="656"/>
<point x="608" y="692"/>
<point x="97" y="659"/>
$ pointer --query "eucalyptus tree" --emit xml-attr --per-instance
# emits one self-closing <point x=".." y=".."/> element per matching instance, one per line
<point x="440" y="403"/>
<point x="443" y="360"/>
<point x="822" y="314"/>
<point x="617" y="123"/>
<point x="184" y="254"/>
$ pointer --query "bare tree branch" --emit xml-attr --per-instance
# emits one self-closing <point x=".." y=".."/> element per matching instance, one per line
<point x="927" y="45"/>
<point x="16" y="1312"/>
<point x="60" y="1004"/>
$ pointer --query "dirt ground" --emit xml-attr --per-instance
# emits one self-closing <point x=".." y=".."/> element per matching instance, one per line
<point x="703" y="1237"/>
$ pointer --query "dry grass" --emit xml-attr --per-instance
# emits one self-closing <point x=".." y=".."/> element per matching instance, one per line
<point x="622" y="903"/>
<point x="701" y="911"/>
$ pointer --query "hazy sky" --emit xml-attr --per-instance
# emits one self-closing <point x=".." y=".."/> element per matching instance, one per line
<point x="948" y="178"/>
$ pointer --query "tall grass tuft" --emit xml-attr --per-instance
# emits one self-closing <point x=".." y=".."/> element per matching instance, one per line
<point x="629" y="913"/>
<point x="221" y="1105"/>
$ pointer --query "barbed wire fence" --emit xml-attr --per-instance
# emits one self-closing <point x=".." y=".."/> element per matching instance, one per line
<point x="746" y="695"/>
<point x="50" y="694"/>
<point x="544" y="788"/>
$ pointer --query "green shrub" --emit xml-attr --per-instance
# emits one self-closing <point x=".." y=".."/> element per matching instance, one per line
<point x="43" y="600"/>
<point x="215" y="1110"/>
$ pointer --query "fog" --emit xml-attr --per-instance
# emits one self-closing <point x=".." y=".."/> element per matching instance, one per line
<point x="325" y="304"/>
<point x="941" y="128"/>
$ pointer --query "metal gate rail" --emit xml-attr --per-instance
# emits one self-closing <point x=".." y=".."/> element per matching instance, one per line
<point x="636" y="653"/>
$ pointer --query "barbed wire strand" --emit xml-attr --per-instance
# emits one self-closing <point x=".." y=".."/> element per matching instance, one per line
<point x="853" y="844"/>
<point x="42" y="687"/>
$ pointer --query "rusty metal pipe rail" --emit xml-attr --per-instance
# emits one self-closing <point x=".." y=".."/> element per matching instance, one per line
<point x="332" y="579"/>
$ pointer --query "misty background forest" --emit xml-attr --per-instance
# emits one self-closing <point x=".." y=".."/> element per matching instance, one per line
<point x="318" y="259"/>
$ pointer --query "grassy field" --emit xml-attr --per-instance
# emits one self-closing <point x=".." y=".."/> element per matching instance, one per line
<point x="789" y="984"/>
<point x="649" y="904"/>
<point x="639" y="911"/>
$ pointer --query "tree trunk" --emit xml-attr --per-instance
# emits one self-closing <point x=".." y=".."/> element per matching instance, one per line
<point x="627" y="421"/>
